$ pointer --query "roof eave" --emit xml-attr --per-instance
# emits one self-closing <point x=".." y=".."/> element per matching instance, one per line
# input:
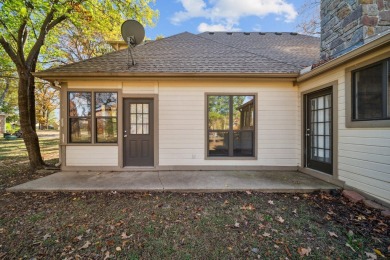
<point x="369" y="47"/>
<point x="50" y="76"/>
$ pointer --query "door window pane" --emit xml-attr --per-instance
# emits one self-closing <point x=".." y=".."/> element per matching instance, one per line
<point x="139" y="120"/>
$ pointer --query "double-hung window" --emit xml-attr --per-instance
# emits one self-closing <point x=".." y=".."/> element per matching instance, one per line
<point x="371" y="92"/>
<point x="231" y="125"/>
<point x="92" y="126"/>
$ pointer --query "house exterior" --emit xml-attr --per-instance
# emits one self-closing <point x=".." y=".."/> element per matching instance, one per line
<point x="233" y="100"/>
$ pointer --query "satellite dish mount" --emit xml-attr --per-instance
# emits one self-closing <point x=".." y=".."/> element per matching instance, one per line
<point x="133" y="33"/>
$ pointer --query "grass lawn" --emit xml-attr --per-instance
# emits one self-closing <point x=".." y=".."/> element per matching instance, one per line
<point x="179" y="226"/>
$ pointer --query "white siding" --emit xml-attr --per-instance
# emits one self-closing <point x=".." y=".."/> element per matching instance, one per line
<point x="363" y="153"/>
<point x="92" y="156"/>
<point x="182" y="122"/>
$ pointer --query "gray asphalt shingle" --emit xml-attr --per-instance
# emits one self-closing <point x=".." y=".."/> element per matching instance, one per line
<point x="208" y="53"/>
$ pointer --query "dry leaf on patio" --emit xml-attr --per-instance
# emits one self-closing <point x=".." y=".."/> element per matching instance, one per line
<point x="332" y="234"/>
<point x="304" y="251"/>
<point x="280" y="219"/>
<point x="378" y="252"/>
<point x="271" y="202"/>
<point x="86" y="245"/>
<point x="125" y="236"/>
<point x="371" y="256"/>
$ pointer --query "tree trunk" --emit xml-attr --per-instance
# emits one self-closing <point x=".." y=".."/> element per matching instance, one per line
<point x="30" y="137"/>
<point x="31" y="97"/>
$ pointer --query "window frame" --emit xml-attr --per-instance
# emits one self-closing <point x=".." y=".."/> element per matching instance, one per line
<point x="105" y="117"/>
<point x="385" y="90"/>
<point x="349" y="95"/>
<point x="93" y="117"/>
<point x="69" y="117"/>
<point x="231" y="136"/>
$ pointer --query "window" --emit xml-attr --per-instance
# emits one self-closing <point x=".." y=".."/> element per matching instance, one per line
<point x="106" y="117"/>
<point x="231" y="125"/>
<point x="371" y="93"/>
<point x="81" y="116"/>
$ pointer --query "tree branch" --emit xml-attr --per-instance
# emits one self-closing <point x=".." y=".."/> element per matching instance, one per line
<point x="10" y="51"/>
<point x="21" y="41"/>
<point x="5" y="26"/>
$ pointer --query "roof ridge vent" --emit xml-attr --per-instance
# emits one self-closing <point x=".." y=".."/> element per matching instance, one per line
<point x="229" y="33"/>
<point x="294" y="33"/>
<point x="211" y="33"/>
<point x="247" y="33"/>
<point x="278" y="33"/>
<point x="262" y="33"/>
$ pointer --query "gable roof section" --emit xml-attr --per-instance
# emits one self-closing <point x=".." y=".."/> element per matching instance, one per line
<point x="300" y="50"/>
<point x="186" y="54"/>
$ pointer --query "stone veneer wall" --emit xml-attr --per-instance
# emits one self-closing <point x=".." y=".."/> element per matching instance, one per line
<point x="346" y="24"/>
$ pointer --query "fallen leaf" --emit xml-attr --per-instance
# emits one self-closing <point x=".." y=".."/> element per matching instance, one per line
<point x="295" y="211"/>
<point x="124" y="236"/>
<point x="226" y="202"/>
<point x="118" y="248"/>
<point x="276" y="246"/>
<point x="378" y="252"/>
<point x="332" y="234"/>
<point x="280" y="219"/>
<point x="46" y="236"/>
<point x="230" y="248"/>
<point x="265" y="234"/>
<point x="248" y="207"/>
<point x="106" y="255"/>
<point x="361" y="217"/>
<point x="304" y="251"/>
<point x="271" y="202"/>
<point x="348" y="245"/>
<point x="79" y="238"/>
<point x="296" y="198"/>
<point x="248" y="192"/>
<point x="255" y="250"/>
<point x="237" y="225"/>
<point x="86" y="245"/>
<point x="370" y="256"/>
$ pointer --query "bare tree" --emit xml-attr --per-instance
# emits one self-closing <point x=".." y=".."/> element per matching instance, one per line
<point x="310" y="18"/>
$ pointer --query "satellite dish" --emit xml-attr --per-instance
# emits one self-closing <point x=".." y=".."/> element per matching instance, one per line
<point x="133" y="33"/>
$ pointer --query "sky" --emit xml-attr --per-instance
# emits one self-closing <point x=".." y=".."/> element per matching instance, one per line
<point x="197" y="16"/>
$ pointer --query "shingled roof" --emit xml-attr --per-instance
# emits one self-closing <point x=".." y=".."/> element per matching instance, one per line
<point x="206" y="53"/>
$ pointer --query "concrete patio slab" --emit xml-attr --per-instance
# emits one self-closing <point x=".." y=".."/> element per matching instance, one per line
<point x="184" y="181"/>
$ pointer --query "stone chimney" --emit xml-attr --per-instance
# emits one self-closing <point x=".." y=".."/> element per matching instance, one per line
<point x="348" y="24"/>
